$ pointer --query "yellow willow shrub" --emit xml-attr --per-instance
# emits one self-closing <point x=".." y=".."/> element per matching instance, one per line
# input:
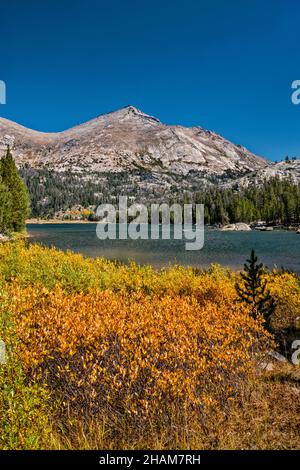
<point x="35" y="264"/>
<point x="135" y="354"/>
<point x="131" y="278"/>
<point x="216" y="285"/>
<point x="285" y="289"/>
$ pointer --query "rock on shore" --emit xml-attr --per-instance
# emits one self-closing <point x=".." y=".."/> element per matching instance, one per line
<point x="238" y="227"/>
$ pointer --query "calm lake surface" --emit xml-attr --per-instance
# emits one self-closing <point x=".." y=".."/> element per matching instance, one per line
<point x="280" y="248"/>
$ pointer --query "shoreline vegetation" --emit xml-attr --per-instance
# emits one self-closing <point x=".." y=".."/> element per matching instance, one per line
<point x="59" y="221"/>
<point x="239" y="226"/>
<point x="104" y="355"/>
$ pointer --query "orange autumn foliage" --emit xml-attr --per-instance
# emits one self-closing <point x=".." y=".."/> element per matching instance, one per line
<point x="136" y="353"/>
<point x="106" y="355"/>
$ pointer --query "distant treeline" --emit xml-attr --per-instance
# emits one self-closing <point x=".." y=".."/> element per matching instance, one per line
<point x="275" y="201"/>
<point x="51" y="192"/>
<point x="14" y="200"/>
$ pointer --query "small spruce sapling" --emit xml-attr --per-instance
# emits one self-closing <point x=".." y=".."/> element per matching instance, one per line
<point x="253" y="290"/>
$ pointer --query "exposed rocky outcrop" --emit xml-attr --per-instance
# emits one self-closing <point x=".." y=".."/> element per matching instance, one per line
<point x="129" y="152"/>
<point x="238" y="227"/>
<point x="128" y="139"/>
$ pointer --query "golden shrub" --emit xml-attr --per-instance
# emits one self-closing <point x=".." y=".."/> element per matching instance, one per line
<point x="285" y="289"/>
<point x="137" y="353"/>
<point x="165" y="353"/>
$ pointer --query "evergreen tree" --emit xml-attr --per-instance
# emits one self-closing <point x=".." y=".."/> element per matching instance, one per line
<point x="275" y="201"/>
<point x="18" y="208"/>
<point x="5" y="208"/>
<point x="253" y="290"/>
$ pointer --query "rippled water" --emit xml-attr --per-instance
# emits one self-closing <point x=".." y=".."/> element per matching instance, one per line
<point x="281" y="248"/>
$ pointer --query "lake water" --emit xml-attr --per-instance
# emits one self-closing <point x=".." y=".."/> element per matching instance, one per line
<point x="280" y="248"/>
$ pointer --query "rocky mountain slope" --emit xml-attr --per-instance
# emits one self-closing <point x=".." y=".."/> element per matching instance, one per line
<point x="284" y="170"/>
<point x="127" y="139"/>
<point x="127" y="151"/>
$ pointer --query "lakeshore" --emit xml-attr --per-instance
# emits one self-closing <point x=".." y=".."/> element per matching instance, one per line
<point x="58" y="221"/>
<point x="279" y="248"/>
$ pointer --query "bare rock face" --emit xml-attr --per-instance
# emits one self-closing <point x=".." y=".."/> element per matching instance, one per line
<point x="128" y="139"/>
<point x="128" y="152"/>
<point x="238" y="227"/>
<point x="6" y="140"/>
<point x="283" y="170"/>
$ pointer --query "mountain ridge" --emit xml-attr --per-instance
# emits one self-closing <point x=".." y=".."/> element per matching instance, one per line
<point x="129" y="107"/>
<point x="129" y="152"/>
<point x="131" y="131"/>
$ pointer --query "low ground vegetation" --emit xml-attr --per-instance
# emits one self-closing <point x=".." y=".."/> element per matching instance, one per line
<point x="103" y="355"/>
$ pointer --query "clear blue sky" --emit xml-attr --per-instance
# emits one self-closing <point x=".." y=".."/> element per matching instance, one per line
<point x="226" y="65"/>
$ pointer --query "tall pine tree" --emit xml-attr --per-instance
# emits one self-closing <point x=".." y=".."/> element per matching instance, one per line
<point x="5" y="208"/>
<point x="16" y="208"/>
<point x="253" y="290"/>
